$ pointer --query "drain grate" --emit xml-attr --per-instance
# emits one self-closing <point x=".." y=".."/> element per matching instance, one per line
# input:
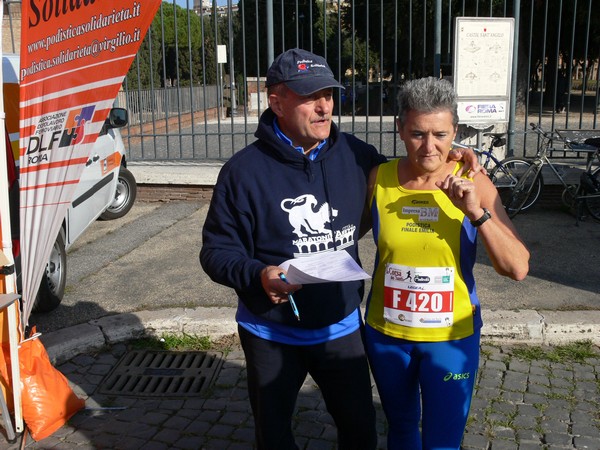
<point x="156" y="373"/>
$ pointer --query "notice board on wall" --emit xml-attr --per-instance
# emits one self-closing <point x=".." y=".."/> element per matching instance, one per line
<point x="483" y="54"/>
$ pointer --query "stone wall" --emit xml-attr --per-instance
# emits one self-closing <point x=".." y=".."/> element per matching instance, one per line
<point x="11" y="20"/>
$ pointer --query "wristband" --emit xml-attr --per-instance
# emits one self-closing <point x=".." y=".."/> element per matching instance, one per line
<point x="482" y="219"/>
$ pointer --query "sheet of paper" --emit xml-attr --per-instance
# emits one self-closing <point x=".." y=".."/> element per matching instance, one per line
<point x="323" y="267"/>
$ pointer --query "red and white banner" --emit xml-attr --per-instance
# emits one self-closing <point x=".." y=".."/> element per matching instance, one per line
<point x="74" y="57"/>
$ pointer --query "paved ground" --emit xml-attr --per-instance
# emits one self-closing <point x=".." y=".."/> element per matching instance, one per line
<point x="148" y="260"/>
<point x="518" y="404"/>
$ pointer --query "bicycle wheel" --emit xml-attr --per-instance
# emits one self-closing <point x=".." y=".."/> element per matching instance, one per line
<point x="593" y="204"/>
<point x="519" y="188"/>
<point x="569" y="195"/>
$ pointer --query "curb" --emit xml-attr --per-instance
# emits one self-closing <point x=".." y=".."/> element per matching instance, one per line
<point x="541" y="327"/>
<point x="177" y="173"/>
<point x="504" y="327"/>
<point x="68" y="342"/>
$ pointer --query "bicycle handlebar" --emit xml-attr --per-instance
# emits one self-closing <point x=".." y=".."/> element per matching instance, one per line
<point x="459" y="145"/>
<point x="472" y="147"/>
<point x="552" y="135"/>
<point x="538" y="129"/>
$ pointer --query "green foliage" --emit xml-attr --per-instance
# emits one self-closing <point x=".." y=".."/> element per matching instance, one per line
<point x="577" y="351"/>
<point x="172" y="51"/>
<point x="312" y="25"/>
<point x="174" y="342"/>
<point x="143" y="72"/>
<point x="361" y="65"/>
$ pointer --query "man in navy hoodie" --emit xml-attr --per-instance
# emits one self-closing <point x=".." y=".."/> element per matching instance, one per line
<point x="299" y="189"/>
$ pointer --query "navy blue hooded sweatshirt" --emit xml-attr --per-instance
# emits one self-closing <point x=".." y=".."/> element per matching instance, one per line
<point x="272" y="203"/>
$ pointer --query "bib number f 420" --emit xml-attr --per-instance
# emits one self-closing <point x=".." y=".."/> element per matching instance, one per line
<point x="415" y="301"/>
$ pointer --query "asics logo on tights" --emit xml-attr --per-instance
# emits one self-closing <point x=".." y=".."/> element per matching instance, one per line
<point x="457" y="376"/>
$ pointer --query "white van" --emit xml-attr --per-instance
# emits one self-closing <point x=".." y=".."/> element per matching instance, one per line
<point x="106" y="190"/>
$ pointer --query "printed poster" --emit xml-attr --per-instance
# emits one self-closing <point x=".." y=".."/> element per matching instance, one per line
<point x="483" y="54"/>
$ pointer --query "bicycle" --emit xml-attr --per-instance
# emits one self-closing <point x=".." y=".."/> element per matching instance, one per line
<point x="486" y="156"/>
<point x="505" y="173"/>
<point x="525" y="182"/>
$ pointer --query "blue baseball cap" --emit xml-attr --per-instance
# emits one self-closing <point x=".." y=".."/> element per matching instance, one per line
<point x="303" y="72"/>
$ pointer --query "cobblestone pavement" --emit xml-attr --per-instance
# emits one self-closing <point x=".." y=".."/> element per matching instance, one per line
<point x="518" y="404"/>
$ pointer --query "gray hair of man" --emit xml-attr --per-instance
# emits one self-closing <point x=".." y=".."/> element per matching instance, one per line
<point x="427" y="95"/>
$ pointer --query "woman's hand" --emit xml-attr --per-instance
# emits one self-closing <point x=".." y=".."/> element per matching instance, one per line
<point x="506" y="250"/>
<point x="463" y="194"/>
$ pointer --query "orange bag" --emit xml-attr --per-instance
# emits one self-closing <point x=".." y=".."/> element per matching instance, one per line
<point x="48" y="400"/>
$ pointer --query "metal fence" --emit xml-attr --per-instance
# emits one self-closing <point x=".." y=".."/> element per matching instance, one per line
<point x="148" y="105"/>
<point x="179" y="90"/>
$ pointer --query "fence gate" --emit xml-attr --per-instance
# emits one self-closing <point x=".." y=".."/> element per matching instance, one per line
<point x="196" y="88"/>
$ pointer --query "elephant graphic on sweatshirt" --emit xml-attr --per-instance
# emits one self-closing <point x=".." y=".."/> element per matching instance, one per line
<point x="304" y="215"/>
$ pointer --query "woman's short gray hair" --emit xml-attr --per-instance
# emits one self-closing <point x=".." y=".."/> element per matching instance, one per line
<point x="427" y="95"/>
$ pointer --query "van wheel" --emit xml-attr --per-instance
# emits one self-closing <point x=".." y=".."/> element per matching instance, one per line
<point x="124" y="196"/>
<point x="54" y="280"/>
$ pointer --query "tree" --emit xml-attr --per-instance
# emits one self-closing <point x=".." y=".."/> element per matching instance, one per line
<point x="355" y="44"/>
<point x="384" y="25"/>
<point x="182" y="36"/>
<point x="309" y="25"/>
<point x="176" y="50"/>
<point x="143" y="72"/>
<point x="567" y="43"/>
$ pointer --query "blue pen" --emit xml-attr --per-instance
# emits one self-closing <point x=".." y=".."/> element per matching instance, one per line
<point x="290" y="297"/>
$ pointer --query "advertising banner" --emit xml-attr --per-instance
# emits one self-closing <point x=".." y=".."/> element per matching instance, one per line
<point x="74" y="57"/>
<point x="8" y="297"/>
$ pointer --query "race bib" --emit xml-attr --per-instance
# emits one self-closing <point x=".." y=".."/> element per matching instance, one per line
<point x="419" y="297"/>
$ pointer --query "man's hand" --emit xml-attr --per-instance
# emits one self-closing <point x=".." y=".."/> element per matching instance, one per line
<point x="470" y="160"/>
<point x="276" y="289"/>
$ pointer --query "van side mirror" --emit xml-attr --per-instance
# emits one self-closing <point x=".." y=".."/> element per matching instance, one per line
<point x="118" y="117"/>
